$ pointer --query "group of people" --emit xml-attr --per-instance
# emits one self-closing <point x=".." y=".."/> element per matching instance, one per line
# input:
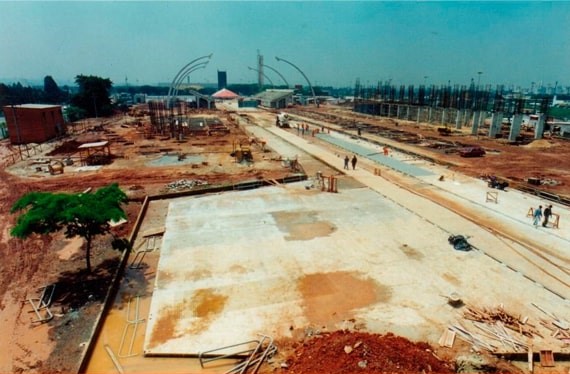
<point x="538" y="214"/>
<point x="302" y="128"/>
<point x="353" y="161"/>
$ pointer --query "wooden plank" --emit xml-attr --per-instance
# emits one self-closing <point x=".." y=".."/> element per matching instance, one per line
<point x="450" y="339"/>
<point x="447" y="338"/>
<point x="530" y="360"/>
<point x="546" y="358"/>
<point x="154" y="231"/>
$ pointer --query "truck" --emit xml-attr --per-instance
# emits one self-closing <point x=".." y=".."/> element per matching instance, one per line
<point x="282" y="120"/>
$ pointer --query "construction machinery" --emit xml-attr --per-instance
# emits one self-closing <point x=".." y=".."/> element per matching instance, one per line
<point x="282" y="120"/>
<point x="242" y="150"/>
<point x="55" y="167"/>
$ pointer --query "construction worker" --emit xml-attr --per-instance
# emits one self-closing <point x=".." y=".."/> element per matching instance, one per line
<point x="353" y="162"/>
<point x="537" y="215"/>
<point x="547" y="214"/>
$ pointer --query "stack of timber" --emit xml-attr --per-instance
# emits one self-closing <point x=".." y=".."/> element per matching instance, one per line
<point x="496" y="330"/>
<point x="499" y="316"/>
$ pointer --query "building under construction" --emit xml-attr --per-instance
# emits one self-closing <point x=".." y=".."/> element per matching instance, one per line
<point x="457" y="105"/>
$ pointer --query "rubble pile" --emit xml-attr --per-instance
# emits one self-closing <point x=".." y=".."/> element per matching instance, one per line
<point x="185" y="184"/>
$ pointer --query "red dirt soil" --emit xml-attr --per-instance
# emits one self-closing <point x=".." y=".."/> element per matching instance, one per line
<point x="343" y="352"/>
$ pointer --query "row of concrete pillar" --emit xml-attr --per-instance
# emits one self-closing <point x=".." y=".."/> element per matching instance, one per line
<point x="460" y="118"/>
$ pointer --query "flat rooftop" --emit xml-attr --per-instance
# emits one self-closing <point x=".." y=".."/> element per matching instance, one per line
<point x="34" y="106"/>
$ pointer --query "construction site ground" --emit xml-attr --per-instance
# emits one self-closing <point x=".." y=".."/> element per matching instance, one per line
<point x="292" y="261"/>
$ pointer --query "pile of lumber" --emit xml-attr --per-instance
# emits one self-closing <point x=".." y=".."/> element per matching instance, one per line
<point x="499" y="316"/>
<point x="498" y="331"/>
<point x="558" y="327"/>
<point x="555" y="330"/>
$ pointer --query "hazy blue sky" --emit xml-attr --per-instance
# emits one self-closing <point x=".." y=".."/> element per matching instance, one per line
<point x="332" y="42"/>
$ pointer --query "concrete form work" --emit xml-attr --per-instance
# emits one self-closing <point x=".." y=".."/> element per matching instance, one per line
<point x="269" y="260"/>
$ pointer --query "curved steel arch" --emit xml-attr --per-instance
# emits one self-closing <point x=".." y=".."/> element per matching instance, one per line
<point x="278" y="73"/>
<point x="303" y="74"/>
<point x="176" y="77"/>
<point x="262" y="73"/>
<point x="187" y="73"/>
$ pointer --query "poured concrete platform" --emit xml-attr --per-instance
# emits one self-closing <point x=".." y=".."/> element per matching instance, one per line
<point x="364" y="150"/>
<point x="276" y="259"/>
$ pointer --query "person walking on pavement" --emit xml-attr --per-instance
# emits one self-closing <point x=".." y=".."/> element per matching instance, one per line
<point x="353" y="162"/>
<point x="346" y="160"/>
<point x="547" y="214"/>
<point x="537" y="215"/>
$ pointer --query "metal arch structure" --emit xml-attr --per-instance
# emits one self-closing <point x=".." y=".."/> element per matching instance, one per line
<point x="260" y="72"/>
<point x="278" y="73"/>
<point x="181" y="72"/>
<point x="303" y="74"/>
<point x="187" y="73"/>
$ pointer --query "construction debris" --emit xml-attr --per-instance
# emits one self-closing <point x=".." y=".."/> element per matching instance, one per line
<point x="499" y="331"/>
<point x="459" y="242"/>
<point x="500" y="317"/>
<point x="253" y="353"/>
<point x="186" y="184"/>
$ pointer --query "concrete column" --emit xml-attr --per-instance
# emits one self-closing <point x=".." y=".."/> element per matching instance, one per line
<point x="482" y="118"/>
<point x="475" y="126"/>
<point x="407" y="112"/>
<point x="496" y="123"/>
<point x="398" y="111"/>
<point x="539" y="127"/>
<point x="419" y="113"/>
<point x="515" y="127"/>
<point x="458" y="119"/>
<point x="467" y="117"/>
<point x="443" y="115"/>
<point x="429" y="114"/>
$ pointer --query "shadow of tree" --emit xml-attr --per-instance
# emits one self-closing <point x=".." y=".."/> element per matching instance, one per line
<point x="76" y="288"/>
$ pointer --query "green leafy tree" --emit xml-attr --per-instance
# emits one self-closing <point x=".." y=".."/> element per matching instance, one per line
<point x="73" y="113"/>
<point x="84" y="214"/>
<point x="93" y="95"/>
<point x="53" y="94"/>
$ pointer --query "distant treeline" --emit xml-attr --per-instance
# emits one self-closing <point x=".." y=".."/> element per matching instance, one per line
<point x="16" y="94"/>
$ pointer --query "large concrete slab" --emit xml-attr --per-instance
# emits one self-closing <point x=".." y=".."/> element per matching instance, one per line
<point x="280" y="258"/>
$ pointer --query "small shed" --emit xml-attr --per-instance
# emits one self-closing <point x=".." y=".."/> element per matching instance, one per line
<point x="97" y="153"/>
<point x="34" y="123"/>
